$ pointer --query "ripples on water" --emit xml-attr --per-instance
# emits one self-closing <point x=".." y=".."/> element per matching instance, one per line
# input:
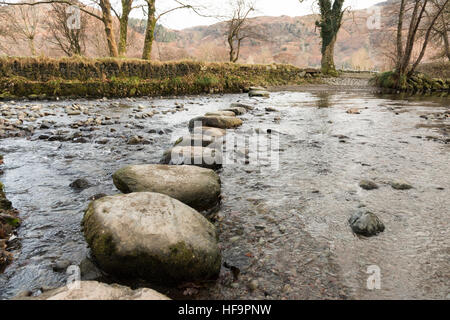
<point x="288" y="228"/>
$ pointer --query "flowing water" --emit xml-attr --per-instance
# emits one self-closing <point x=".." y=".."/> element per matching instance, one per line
<point x="284" y="231"/>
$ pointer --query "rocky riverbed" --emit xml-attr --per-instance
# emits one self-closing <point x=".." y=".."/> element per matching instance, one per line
<point x="283" y="231"/>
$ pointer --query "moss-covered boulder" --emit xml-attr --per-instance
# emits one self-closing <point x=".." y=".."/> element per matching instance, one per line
<point x="153" y="237"/>
<point x="197" y="156"/>
<point x="197" y="187"/>
<point x="215" y="122"/>
<point x="93" y="290"/>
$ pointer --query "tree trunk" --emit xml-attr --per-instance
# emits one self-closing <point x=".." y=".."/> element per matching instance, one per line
<point x="445" y="36"/>
<point x="328" y="66"/>
<point x="32" y="47"/>
<point x="123" y="22"/>
<point x="150" y="30"/>
<point x="105" y="5"/>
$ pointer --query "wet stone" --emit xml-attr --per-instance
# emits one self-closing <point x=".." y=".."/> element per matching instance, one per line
<point x="366" y="224"/>
<point x="368" y="185"/>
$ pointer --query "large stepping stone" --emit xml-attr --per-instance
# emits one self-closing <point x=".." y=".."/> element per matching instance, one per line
<point x="242" y="105"/>
<point x="199" y="140"/>
<point x="93" y="290"/>
<point x="221" y="113"/>
<point x="153" y="237"/>
<point x="259" y="93"/>
<point x="209" y="131"/>
<point x="198" y="156"/>
<point x="236" y="110"/>
<point x="197" y="187"/>
<point x="216" y="122"/>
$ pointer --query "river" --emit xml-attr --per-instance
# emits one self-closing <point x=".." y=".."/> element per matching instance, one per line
<point x="285" y="230"/>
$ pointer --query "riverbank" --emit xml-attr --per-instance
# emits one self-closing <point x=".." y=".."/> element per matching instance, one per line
<point x="46" y="78"/>
<point x="8" y="223"/>
<point x="418" y="83"/>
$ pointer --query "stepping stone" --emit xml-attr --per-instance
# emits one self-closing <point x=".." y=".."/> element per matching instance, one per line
<point x="216" y="122"/>
<point x="242" y="105"/>
<point x="93" y="290"/>
<point x="237" y="110"/>
<point x="220" y="113"/>
<point x="153" y="237"/>
<point x="209" y="131"/>
<point x="259" y="93"/>
<point x="199" y="140"/>
<point x="197" y="156"/>
<point x="196" y="187"/>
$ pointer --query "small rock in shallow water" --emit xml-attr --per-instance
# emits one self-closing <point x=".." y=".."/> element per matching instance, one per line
<point x="401" y="185"/>
<point x="366" y="224"/>
<point x="368" y="185"/>
<point x="80" y="184"/>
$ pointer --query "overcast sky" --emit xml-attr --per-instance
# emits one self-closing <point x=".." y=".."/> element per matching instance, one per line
<point x="185" y="19"/>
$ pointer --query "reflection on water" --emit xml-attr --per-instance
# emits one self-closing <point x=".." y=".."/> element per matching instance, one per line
<point x="286" y="229"/>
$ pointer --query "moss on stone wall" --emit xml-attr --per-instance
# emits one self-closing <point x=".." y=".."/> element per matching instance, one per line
<point x="44" y="78"/>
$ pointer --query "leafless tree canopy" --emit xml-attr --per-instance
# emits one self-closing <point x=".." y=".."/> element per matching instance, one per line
<point x="69" y="40"/>
<point x="238" y="28"/>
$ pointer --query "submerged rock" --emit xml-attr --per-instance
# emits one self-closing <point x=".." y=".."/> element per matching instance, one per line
<point x="93" y="290"/>
<point x="151" y="236"/>
<point x="216" y="122"/>
<point x="401" y="185"/>
<point x="197" y="187"/>
<point x="197" y="156"/>
<point x="80" y="184"/>
<point x="368" y="185"/>
<point x="366" y="224"/>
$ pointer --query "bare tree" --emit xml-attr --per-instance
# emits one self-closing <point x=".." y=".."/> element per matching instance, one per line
<point x="441" y="29"/>
<point x="405" y="67"/>
<point x="238" y="28"/>
<point x="152" y="19"/>
<point x="105" y="16"/>
<point x="70" y="40"/>
<point x="23" y="24"/>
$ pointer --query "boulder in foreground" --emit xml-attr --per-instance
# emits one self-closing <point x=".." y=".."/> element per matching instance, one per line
<point x="153" y="237"/>
<point x="366" y="224"/>
<point x="93" y="290"/>
<point x="197" y="187"/>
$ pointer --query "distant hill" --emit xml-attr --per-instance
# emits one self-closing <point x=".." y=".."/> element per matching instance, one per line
<point x="293" y="40"/>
